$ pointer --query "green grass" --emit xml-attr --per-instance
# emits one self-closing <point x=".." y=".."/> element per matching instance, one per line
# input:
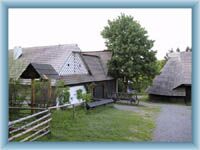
<point x="100" y="124"/>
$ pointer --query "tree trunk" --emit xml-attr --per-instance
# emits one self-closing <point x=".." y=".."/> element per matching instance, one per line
<point x="125" y="85"/>
<point x="136" y="80"/>
<point x="116" y="86"/>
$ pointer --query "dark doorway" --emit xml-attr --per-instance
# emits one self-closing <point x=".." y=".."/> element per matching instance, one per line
<point x="188" y="94"/>
<point x="98" y="91"/>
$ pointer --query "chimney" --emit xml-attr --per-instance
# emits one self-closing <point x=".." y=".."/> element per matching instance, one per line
<point x="173" y="54"/>
<point x="17" y="52"/>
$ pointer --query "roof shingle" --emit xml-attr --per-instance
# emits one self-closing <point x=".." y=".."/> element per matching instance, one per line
<point x="176" y="72"/>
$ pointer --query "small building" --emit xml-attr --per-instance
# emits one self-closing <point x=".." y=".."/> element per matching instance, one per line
<point x="76" y="68"/>
<point x="175" y="79"/>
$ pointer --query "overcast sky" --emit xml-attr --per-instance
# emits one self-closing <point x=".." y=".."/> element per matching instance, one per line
<point x="170" y="28"/>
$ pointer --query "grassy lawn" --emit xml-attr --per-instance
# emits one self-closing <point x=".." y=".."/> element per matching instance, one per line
<point x="102" y="124"/>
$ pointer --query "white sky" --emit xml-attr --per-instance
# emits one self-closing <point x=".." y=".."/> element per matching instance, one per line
<point x="170" y="28"/>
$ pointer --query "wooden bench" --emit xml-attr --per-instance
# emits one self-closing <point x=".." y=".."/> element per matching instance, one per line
<point x="129" y="97"/>
<point x="98" y="102"/>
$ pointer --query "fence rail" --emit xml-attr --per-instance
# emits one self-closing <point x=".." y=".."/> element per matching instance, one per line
<point x="31" y="127"/>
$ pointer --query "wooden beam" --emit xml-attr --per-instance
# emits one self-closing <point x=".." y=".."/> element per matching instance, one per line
<point x="36" y="133"/>
<point x="29" y="124"/>
<point x="65" y="105"/>
<point x="39" y="136"/>
<point x="27" y="117"/>
<point x="28" y="130"/>
<point x="49" y="92"/>
<point x="32" y="95"/>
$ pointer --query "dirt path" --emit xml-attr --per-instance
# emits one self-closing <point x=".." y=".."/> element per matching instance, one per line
<point x="173" y="123"/>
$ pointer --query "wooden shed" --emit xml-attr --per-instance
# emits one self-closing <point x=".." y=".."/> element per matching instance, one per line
<point x="175" y="79"/>
<point x="39" y="71"/>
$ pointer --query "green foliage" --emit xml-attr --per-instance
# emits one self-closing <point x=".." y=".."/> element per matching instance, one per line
<point x="39" y="86"/>
<point x="79" y="94"/>
<point x="66" y="94"/>
<point x="121" y="85"/>
<point x="141" y="84"/>
<point x="132" y="57"/>
<point x="17" y="92"/>
<point x="160" y="65"/>
<point x="90" y="87"/>
<point x="84" y="96"/>
<point x="62" y="91"/>
<point x="87" y="97"/>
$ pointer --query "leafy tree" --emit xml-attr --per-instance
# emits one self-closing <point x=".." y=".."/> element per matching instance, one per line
<point x="132" y="57"/>
<point x="160" y="64"/>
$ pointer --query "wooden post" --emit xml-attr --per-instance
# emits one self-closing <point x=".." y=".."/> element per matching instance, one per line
<point x="49" y="92"/>
<point x="32" y="95"/>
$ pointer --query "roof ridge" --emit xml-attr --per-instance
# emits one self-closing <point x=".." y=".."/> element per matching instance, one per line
<point x="92" y="55"/>
<point x="43" y="46"/>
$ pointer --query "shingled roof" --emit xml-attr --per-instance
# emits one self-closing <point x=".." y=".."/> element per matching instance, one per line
<point x="54" y="55"/>
<point x="96" y="66"/>
<point x="95" y="62"/>
<point x="176" y="73"/>
<point x="44" y="71"/>
<point x="104" y="56"/>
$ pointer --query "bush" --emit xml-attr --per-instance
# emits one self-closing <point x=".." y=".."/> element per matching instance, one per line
<point x="79" y="94"/>
<point x="62" y="92"/>
<point x="87" y="97"/>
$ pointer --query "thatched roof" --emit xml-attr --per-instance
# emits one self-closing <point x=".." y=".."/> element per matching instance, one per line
<point x="176" y="73"/>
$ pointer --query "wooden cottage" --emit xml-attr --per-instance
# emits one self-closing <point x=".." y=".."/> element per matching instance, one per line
<point x="76" y="68"/>
<point x="175" y="79"/>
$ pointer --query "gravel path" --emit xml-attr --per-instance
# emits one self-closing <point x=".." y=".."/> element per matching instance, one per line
<point x="173" y="123"/>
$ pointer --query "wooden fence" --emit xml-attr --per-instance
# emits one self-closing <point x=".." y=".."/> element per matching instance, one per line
<point x="31" y="127"/>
